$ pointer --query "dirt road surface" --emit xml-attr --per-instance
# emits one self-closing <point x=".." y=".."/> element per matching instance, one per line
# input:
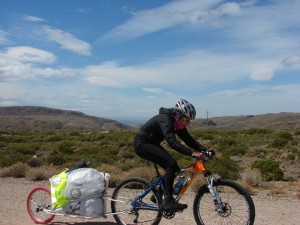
<point x="13" y="194"/>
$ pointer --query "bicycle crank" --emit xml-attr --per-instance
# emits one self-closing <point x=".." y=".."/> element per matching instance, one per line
<point x="169" y="215"/>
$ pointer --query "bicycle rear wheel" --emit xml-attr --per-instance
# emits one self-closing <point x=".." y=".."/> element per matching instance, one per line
<point x="125" y="193"/>
<point x="38" y="203"/>
<point x="238" y="206"/>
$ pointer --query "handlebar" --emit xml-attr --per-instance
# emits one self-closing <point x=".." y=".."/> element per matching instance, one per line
<point x="209" y="154"/>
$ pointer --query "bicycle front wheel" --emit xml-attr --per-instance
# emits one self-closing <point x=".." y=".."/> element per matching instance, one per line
<point x="145" y="210"/>
<point x="238" y="206"/>
<point x="39" y="205"/>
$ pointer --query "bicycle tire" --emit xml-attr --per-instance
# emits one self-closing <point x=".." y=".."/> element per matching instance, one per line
<point x="39" y="199"/>
<point x="238" y="205"/>
<point x="127" y="191"/>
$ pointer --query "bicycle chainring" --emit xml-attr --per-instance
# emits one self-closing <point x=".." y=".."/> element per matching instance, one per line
<point x="169" y="215"/>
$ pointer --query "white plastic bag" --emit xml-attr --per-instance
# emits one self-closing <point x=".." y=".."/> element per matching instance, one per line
<point x="85" y="183"/>
<point x="93" y="207"/>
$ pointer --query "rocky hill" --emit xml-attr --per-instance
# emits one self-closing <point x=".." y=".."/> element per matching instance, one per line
<point x="278" y="121"/>
<point x="36" y="118"/>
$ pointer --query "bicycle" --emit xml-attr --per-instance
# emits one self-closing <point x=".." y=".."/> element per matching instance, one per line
<point x="218" y="201"/>
<point x="135" y="200"/>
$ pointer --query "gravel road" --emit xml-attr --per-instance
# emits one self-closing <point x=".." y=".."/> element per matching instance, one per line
<point x="14" y="192"/>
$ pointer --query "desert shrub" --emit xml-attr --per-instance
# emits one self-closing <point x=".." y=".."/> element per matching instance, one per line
<point x="253" y="131"/>
<point x="105" y="156"/>
<point x="127" y="155"/>
<point x="297" y="132"/>
<point x="128" y="164"/>
<point x="41" y="173"/>
<point x="17" y="170"/>
<point x="227" y="141"/>
<point x="25" y="149"/>
<point x="108" y="168"/>
<point x="260" y="153"/>
<point x="291" y="156"/>
<point x="235" y="150"/>
<point x="285" y="135"/>
<point x="2" y="144"/>
<point x="54" y="138"/>
<point x="34" y="162"/>
<point x="225" y="167"/>
<point x="74" y="133"/>
<point x="269" y="169"/>
<point x="279" y="142"/>
<point x="65" y="147"/>
<point x="251" y="177"/>
<point x="205" y="134"/>
<point x="6" y="161"/>
<point x="56" y="160"/>
<point x="147" y="173"/>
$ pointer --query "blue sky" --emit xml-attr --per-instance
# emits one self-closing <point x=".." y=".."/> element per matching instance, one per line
<point x="118" y="58"/>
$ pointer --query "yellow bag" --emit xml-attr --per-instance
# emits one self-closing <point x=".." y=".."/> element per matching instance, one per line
<point x="58" y="185"/>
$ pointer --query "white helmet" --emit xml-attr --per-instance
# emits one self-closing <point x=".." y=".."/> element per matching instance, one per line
<point x="186" y="108"/>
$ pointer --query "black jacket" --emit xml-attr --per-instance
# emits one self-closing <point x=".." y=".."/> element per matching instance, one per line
<point x="162" y="127"/>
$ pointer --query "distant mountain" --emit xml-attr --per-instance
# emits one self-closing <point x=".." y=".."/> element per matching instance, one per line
<point x="280" y="121"/>
<point x="36" y="118"/>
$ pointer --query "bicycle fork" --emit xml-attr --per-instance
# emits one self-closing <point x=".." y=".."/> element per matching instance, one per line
<point x="215" y="194"/>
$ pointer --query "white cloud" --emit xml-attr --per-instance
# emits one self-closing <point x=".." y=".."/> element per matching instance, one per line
<point x="153" y="90"/>
<point x="68" y="41"/>
<point x="157" y="92"/>
<point x="32" y="18"/>
<point x="291" y="61"/>
<point x="19" y="64"/>
<point x="251" y="91"/>
<point x="261" y="29"/>
<point x="194" y="68"/>
<point x="229" y="8"/>
<point x="172" y="14"/>
<point x="262" y="74"/>
<point x="29" y="54"/>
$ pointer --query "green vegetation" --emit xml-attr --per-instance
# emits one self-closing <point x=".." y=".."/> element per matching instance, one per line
<point x="265" y="150"/>
<point x="270" y="169"/>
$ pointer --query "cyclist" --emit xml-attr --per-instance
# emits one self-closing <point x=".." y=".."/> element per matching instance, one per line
<point x="165" y="126"/>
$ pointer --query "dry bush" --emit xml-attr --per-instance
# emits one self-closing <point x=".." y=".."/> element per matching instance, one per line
<point x="286" y="188"/>
<point x="17" y="170"/>
<point x="251" y="177"/>
<point x="148" y="173"/>
<point x="111" y="169"/>
<point x="41" y="173"/>
<point x="116" y="174"/>
<point x="198" y="183"/>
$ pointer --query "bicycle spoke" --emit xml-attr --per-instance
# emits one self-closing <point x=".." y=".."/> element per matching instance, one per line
<point x="237" y="207"/>
<point x="138" y="212"/>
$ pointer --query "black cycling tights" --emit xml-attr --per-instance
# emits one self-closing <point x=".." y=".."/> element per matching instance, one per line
<point x="158" y="155"/>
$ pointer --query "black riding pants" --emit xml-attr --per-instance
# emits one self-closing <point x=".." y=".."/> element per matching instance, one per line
<point x="158" y="155"/>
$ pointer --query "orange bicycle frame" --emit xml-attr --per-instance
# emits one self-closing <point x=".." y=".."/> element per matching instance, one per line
<point x="194" y="169"/>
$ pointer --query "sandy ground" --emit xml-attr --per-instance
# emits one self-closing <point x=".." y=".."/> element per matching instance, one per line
<point x="14" y="192"/>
